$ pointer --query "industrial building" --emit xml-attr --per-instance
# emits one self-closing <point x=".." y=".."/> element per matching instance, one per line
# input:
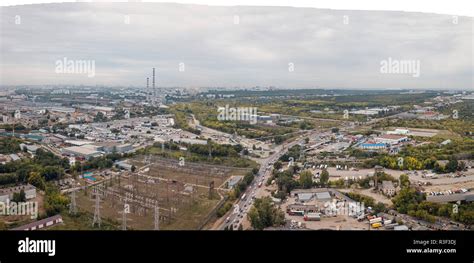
<point x="47" y="222"/>
<point x="391" y="139"/>
<point x="466" y="197"/>
<point x="388" y="188"/>
<point x="373" y="146"/>
<point x="85" y="151"/>
<point x="111" y="147"/>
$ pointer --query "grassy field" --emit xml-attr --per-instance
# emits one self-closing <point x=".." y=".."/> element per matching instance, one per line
<point x="182" y="194"/>
<point x="83" y="221"/>
<point x="192" y="157"/>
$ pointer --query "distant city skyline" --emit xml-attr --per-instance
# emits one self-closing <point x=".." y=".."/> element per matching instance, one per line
<point x="201" y="46"/>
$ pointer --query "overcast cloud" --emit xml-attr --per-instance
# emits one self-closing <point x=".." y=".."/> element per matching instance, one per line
<point x="325" y="52"/>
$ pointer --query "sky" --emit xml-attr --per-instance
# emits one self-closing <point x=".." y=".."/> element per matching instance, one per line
<point x="202" y="46"/>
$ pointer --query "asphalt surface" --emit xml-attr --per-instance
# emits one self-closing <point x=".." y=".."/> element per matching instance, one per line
<point x="236" y="215"/>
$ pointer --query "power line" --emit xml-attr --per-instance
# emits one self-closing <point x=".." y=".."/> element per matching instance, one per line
<point x="157" y="218"/>
<point x="73" y="206"/>
<point x="124" y="219"/>
<point x="97" y="219"/>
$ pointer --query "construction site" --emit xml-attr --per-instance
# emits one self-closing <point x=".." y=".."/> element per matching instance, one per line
<point x="161" y="194"/>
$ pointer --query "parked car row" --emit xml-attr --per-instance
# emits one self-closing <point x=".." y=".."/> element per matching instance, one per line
<point x="448" y="192"/>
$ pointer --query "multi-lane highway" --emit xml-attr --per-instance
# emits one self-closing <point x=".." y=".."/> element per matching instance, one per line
<point x="234" y="218"/>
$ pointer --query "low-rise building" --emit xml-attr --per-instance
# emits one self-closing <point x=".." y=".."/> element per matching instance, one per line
<point x="14" y="157"/>
<point x="113" y="147"/>
<point x="124" y="166"/>
<point x="190" y="141"/>
<point x="323" y="196"/>
<point x="85" y="151"/>
<point x="47" y="222"/>
<point x="304" y="197"/>
<point x="388" y="188"/>
<point x="7" y="193"/>
<point x="30" y="148"/>
<point x="391" y="139"/>
<point x="373" y="146"/>
<point x="466" y="197"/>
<point x="399" y="132"/>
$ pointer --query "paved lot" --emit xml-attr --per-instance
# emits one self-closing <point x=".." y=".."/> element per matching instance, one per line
<point x="340" y="222"/>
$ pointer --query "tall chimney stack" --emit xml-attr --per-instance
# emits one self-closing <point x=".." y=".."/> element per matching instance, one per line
<point x="153" y="83"/>
<point x="147" y="87"/>
<point x="153" y="78"/>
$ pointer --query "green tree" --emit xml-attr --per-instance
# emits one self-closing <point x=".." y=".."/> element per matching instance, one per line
<point x="411" y="163"/>
<point x="264" y="214"/>
<point x="19" y="197"/>
<point x="52" y="173"/>
<point x="407" y="200"/>
<point x="404" y="181"/>
<point x="278" y="165"/>
<point x="100" y="117"/>
<point x="379" y="207"/>
<point x="54" y="202"/>
<point x="22" y="195"/>
<point x="452" y="165"/>
<point x="467" y="217"/>
<point x="324" y="177"/>
<point x="437" y="168"/>
<point x="36" y="180"/>
<point x="306" y="179"/>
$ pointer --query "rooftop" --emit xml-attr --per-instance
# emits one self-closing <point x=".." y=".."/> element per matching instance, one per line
<point x="387" y="184"/>
<point x="37" y="223"/>
<point x="392" y="136"/>
<point x="323" y="196"/>
<point x="84" y="150"/>
<point x="14" y="189"/>
<point x="305" y="196"/>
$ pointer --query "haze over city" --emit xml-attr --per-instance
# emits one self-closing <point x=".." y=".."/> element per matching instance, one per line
<point x="233" y="46"/>
<point x="125" y="120"/>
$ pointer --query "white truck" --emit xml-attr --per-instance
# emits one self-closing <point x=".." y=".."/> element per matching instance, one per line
<point x="312" y="217"/>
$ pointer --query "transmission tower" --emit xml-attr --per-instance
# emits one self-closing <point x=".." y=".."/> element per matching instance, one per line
<point x="126" y="210"/>
<point x="72" y="206"/>
<point x="211" y="189"/>
<point x="97" y="210"/>
<point x="149" y="161"/>
<point x="124" y="220"/>
<point x="157" y="218"/>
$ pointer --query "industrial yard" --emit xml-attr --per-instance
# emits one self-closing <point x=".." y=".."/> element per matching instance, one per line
<point x="184" y="195"/>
